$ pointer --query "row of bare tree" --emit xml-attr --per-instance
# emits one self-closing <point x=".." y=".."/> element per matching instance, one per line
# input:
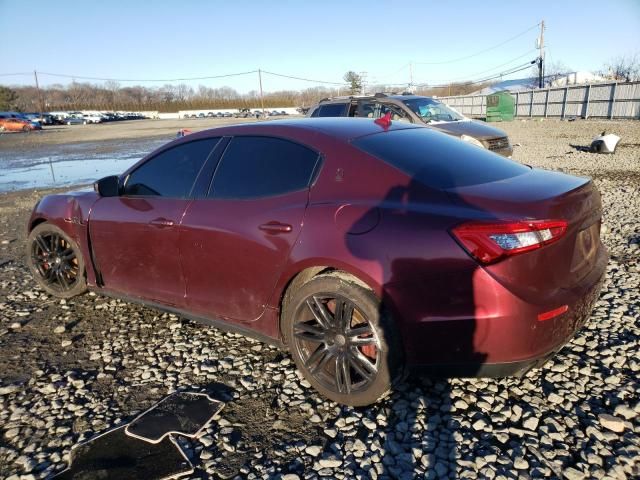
<point x="171" y="98"/>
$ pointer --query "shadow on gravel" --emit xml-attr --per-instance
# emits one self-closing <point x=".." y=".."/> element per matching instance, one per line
<point x="431" y="297"/>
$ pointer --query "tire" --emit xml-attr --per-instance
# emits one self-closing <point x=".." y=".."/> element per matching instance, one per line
<point x="55" y="261"/>
<point x="25" y="129"/>
<point x="365" y="346"/>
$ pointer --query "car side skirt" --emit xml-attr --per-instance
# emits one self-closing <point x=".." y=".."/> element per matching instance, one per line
<point x="209" y="321"/>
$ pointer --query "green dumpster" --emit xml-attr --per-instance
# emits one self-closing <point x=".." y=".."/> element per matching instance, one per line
<point x="500" y="107"/>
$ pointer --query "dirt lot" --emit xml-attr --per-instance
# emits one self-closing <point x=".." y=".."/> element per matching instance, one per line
<point x="129" y="129"/>
<point x="72" y="369"/>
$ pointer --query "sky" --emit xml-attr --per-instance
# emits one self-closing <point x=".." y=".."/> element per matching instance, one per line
<point x="317" y="40"/>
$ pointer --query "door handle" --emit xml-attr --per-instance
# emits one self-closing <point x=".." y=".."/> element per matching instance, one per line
<point x="161" y="222"/>
<point x="276" y="227"/>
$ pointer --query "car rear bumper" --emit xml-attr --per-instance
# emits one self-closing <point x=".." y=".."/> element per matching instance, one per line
<point x="505" y="336"/>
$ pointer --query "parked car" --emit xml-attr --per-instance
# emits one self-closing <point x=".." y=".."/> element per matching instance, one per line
<point x="364" y="249"/>
<point x="18" y="125"/>
<point x="39" y="118"/>
<point x="75" y="120"/>
<point x="242" y="113"/>
<point x="201" y="115"/>
<point x="93" y="118"/>
<point x="420" y="110"/>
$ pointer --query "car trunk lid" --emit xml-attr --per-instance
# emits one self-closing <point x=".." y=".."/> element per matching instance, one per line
<point x="541" y="195"/>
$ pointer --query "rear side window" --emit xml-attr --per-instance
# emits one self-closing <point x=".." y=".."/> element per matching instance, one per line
<point x="331" y="110"/>
<point x="254" y="167"/>
<point x="171" y="173"/>
<point x="438" y="160"/>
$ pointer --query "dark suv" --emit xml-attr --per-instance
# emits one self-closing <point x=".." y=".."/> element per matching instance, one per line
<point x="417" y="109"/>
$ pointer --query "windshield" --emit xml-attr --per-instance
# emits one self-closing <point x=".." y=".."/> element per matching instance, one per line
<point x="430" y="110"/>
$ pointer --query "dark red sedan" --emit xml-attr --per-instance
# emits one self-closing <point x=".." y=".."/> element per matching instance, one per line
<point x="363" y="248"/>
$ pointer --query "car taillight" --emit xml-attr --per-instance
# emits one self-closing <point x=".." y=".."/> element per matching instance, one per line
<point x="489" y="242"/>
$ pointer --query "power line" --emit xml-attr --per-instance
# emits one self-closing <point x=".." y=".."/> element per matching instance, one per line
<point x="519" y="68"/>
<point x="209" y="77"/>
<point x="492" y="69"/>
<point x="469" y="77"/>
<point x="15" y="74"/>
<point x="481" y="51"/>
<point x="304" y="79"/>
<point x="105" y="79"/>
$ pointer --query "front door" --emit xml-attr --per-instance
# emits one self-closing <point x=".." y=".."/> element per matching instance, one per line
<point x="134" y="236"/>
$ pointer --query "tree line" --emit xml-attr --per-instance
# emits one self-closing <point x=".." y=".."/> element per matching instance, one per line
<point x="112" y="96"/>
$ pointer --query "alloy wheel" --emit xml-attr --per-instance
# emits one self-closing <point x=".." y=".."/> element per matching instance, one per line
<point x="55" y="260"/>
<point x="337" y="344"/>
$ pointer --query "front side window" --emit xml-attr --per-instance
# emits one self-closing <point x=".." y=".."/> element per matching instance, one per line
<point x="171" y="173"/>
<point x="366" y="109"/>
<point x="254" y="167"/>
<point x="397" y="114"/>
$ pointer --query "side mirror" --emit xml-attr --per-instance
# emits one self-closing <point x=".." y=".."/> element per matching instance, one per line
<point x="107" y="186"/>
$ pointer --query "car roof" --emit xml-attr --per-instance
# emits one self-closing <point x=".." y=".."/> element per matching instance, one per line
<point x="381" y="97"/>
<point x="343" y="128"/>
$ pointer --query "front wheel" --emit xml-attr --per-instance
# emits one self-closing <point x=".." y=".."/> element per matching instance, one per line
<point x="55" y="261"/>
<point x="341" y="340"/>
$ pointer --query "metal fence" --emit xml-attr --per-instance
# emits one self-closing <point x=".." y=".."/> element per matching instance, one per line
<point x="596" y="100"/>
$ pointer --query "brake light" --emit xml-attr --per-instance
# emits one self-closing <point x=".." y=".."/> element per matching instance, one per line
<point x="489" y="242"/>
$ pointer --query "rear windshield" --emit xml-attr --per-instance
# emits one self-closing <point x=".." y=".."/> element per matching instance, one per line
<point x="438" y="160"/>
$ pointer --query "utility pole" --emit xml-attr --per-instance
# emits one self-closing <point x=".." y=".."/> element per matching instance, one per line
<point x="541" y="56"/>
<point x="411" y="77"/>
<point x="35" y="75"/>
<point x="261" y="96"/>
<point x="363" y="83"/>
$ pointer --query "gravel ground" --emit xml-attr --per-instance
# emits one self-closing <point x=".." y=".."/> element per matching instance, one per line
<point x="71" y="369"/>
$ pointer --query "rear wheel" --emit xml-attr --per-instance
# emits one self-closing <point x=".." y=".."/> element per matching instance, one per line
<point x="25" y="129"/>
<point x="55" y="261"/>
<point x="340" y="340"/>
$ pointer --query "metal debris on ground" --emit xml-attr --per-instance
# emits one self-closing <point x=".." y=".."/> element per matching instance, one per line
<point x="604" y="143"/>
<point x="114" y="455"/>
<point x="180" y="413"/>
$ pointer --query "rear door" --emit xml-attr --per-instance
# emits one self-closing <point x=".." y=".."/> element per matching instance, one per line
<point x="235" y="243"/>
<point x="135" y="236"/>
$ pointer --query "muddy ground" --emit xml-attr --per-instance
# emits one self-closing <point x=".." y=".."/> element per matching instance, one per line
<point x="101" y="132"/>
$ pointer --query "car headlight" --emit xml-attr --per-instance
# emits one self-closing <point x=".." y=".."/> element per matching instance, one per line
<point x="472" y="141"/>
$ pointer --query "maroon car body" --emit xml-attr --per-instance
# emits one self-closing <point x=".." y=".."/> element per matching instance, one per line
<point x="229" y="262"/>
